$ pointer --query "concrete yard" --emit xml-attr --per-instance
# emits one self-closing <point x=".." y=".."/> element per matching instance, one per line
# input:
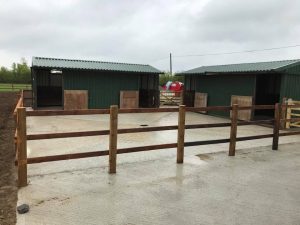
<point x="257" y="186"/>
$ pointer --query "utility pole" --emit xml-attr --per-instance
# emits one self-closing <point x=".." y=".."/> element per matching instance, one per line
<point x="171" y="63"/>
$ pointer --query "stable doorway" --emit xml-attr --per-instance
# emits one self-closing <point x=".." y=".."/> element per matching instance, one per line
<point x="267" y="93"/>
<point x="49" y="90"/>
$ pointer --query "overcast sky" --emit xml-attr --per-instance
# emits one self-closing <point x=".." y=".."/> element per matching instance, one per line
<point x="147" y="31"/>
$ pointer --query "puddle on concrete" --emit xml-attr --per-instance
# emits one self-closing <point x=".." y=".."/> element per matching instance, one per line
<point x="205" y="156"/>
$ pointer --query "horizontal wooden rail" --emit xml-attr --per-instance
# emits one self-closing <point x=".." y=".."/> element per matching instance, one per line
<point x="66" y="156"/>
<point x="289" y="133"/>
<point x="256" y="122"/>
<point x="96" y="111"/>
<point x="66" y="112"/>
<point x="67" y="134"/>
<point x="138" y="130"/>
<point x="254" y="137"/>
<point x="138" y="110"/>
<point x="97" y="153"/>
<point x="291" y="120"/>
<point x="142" y="149"/>
<point x="290" y="106"/>
<point x="209" y="108"/>
<point x="206" y="142"/>
<point x="19" y="104"/>
<point x="256" y="107"/>
<point x="146" y="148"/>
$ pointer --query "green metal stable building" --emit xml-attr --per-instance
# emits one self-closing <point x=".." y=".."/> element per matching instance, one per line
<point x="102" y="80"/>
<point x="266" y="82"/>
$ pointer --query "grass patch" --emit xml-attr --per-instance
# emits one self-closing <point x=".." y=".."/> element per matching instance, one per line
<point x="5" y="87"/>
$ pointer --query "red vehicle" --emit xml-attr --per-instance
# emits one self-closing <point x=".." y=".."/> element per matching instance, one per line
<point x="173" y="86"/>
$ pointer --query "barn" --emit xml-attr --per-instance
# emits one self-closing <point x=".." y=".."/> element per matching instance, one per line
<point x="82" y="84"/>
<point x="260" y="83"/>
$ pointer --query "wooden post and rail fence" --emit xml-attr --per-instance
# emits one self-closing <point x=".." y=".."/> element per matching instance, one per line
<point x="22" y="137"/>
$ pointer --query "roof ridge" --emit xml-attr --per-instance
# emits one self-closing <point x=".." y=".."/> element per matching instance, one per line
<point x="93" y="61"/>
<point x="297" y="61"/>
<point x="253" y="63"/>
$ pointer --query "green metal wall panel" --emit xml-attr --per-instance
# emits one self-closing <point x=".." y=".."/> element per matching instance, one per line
<point x="290" y="86"/>
<point x="103" y="87"/>
<point x="220" y="88"/>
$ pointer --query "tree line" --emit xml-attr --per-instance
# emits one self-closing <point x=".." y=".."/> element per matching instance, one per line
<point x="18" y="73"/>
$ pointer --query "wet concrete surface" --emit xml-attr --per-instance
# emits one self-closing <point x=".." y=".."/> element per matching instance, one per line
<point x="257" y="186"/>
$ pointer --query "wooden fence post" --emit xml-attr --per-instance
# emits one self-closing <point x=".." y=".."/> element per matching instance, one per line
<point x="113" y="137"/>
<point x="283" y="113"/>
<point x="21" y="147"/>
<point x="233" y="130"/>
<point x="276" y="126"/>
<point x="180" y="134"/>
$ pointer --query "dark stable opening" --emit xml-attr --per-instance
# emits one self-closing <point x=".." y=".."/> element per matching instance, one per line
<point x="267" y="93"/>
<point x="149" y="93"/>
<point x="50" y="92"/>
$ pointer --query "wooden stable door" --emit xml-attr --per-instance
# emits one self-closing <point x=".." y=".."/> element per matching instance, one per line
<point x="200" y="100"/>
<point x="129" y="99"/>
<point x="243" y="101"/>
<point x="75" y="99"/>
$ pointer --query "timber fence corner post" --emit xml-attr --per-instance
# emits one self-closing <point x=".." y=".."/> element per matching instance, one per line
<point x="276" y="126"/>
<point x="233" y="130"/>
<point x="113" y="138"/>
<point x="22" y="146"/>
<point x="180" y="134"/>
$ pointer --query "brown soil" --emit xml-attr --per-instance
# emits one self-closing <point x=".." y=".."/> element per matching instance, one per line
<point x="8" y="185"/>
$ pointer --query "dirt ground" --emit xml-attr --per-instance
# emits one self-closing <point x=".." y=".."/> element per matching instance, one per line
<point x="8" y="188"/>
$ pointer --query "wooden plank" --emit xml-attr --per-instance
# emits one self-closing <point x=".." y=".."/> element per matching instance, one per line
<point x="146" y="148"/>
<point x="233" y="130"/>
<point x="137" y="110"/>
<point x="66" y="156"/>
<point x="66" y="135"/>
<point x="75" y="99"/>
<point x="243" y="101"/>
<point x="209" y="108"/>
<point x="200" y="100"/>
<point x="96" y="111"/>
<point x="148" y="110"/>
<point x="66" y="112"/>
<point x="276" y="127"/>
<point x="129" y="99"/>
<point x="226" y="140"/>
<point x="290" y="133"/>
<point x="113" y="138"/>
<point x="288" y="113"/>
<point x="98" y="153"/>
<point x="292" y="120"/>
<point x="207" y="142"/>
<point x="22" y="147"/>
<point x="257" y="107"/>
<point x="142" y="129"/>
<point x="180" y="134"/>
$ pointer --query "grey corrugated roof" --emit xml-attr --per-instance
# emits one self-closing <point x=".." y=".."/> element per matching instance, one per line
<point x="91" y="65"/>
<point x="244" y="67"/>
